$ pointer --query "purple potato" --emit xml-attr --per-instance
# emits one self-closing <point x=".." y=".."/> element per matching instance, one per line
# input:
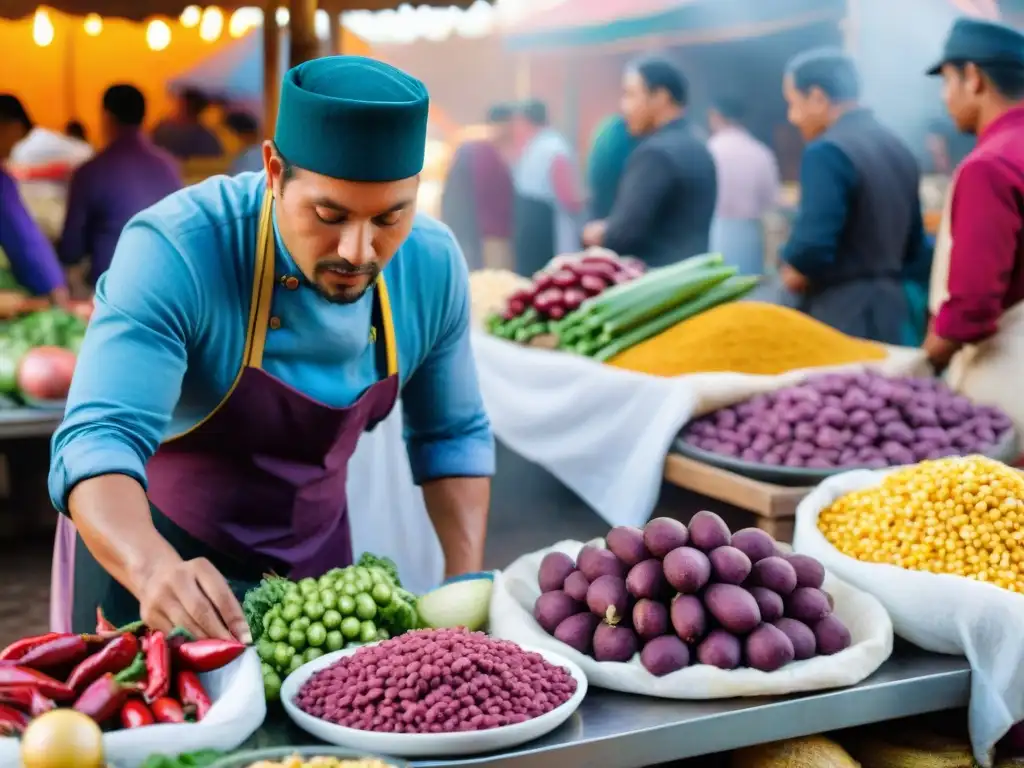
<point x="627" y="544"/>
<point x="578" y="631"/>
<point x="768" y="602"/>
<point x="807" y="605"/>
<point x="664" y="655"/>
<point x="554" y="569"/>
<point x="809" y="572"/>
<point x="801" y="636"/>
<point x="613" y="643"/>
<point x="832" y="636"/>
<point x="689" y="618"/>
<point x="774" y="573"/>
<point x="708" y="531"/>
<point x="552" y="608"/>
<point x="646" y="579"/>
<point x="729" y="565"/>
<point x="595" y="562"/>
<point x="768" y="648"/>
<point x="754" y="543"/>
<point x="733" y="607"/>
<point x="576" y="586"/>
<point x="650" y="619"/>
<point x="607" y="598"/>
<point x="720" y="649"/>
<point x="663" y="534"/>
<point x="687" y="569"/>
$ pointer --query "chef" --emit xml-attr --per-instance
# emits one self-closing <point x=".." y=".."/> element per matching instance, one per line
<point x="977" y="290"/>
<point x="248" y="331"/>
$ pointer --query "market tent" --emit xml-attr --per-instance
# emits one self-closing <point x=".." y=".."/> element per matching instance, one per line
<point x="235" y="72"/>
<point x="574" y="23"/>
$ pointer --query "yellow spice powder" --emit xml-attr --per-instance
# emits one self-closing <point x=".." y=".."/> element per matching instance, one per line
<point x="746" y="337"/>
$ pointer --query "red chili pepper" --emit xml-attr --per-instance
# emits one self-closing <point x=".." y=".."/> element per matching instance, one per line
<point x="208" y="655"/>
<point x="158" y="665"/>
<point x="115" y="656"/>
<point x="12" y="722"/>
<point x="192" y="694"/>
<point x="135" y="714"/>
<point x="167" y="710"/>
<point x="27" y="699"/>
<point x="102" y="625"/>
<point x="19" y="648"/>
<point x="60" y="651"/>
<point x="17" y="677"/>
<point x="105" y="697"/>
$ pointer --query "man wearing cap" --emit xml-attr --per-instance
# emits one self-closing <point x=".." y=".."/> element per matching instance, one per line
<point x="248" y="331"/>
<point x="859" y="230"/>
<point x="977" y="289"/>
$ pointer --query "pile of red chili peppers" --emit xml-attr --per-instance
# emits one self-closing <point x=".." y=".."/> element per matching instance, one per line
<point x="124" y="677"/>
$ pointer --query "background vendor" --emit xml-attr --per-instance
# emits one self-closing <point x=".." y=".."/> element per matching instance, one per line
<point x="214" y="411"/>
<point x="977" y="293"/>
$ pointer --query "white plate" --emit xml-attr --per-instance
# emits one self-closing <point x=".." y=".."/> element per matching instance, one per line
<point x="428" y="744"/>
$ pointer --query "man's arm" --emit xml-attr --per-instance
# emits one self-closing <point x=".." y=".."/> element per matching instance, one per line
<point x="30" y="254"/>
<point x="451" y="448"/>
<point x="645" y="183"/>
<point x="73" y="246"/>
<point x="126" y="384"/>
<point x="827" y="178"/>
<point x="985" y="224"/>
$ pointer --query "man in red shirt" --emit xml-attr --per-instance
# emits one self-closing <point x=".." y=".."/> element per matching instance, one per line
<point x="977" y="286"/>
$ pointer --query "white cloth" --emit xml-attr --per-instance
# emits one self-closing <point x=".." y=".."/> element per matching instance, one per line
<point x="604" y="432"/>
<point x="940" y="613"/>
<point x="516" y="590"/>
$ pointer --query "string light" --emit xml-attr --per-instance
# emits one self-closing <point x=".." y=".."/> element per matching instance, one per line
<point x="281" y="16"/>
<point x="158" y="35"/>
<point x="93" y="24"/>
<point x="191" y="16"/>
<point x="42" y="28"/>
<point x="211" y="24"/>
<point x="243" y="20"/>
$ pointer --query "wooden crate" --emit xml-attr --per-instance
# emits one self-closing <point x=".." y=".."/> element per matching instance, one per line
<point x="773" y="506"/>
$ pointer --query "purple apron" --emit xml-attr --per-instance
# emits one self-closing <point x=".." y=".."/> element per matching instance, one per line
<point x="262" y="478"/>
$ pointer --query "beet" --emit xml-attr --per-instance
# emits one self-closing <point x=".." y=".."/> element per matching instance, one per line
<point x="607" y="598"/>
<point x="552" y="608"/>
<point x="663" y="534"/>
<point x="576" y="586"/>
<point x="627" y="544"/>
<point x="720" y="649"/>
<point x="809" y="572"/>
<point x="769" y="603"/>
<point x="729" y="565"/>
<point x="768" y="648"/>
<point x="650" y="619"/>
<point x="689" y="619"/>
<point x="664" y="655"/>
<point x="595" y="562"/>
<point x="614" y="643"/>
<point x="807" y="605"/>
<point x="775" y="573"/>
<point x="578" y="631"/>
<point x="687" y="569"/>
<point x="708" y="531"/>
<point x="801" y="636"/>
<point x="831" y="635"/>
<point x="554" y="569"/>
<point x="733" y="607"/>
<point x="754" y="543"/>
<point x="436" y="681"/>
<point x="646" y="579"/>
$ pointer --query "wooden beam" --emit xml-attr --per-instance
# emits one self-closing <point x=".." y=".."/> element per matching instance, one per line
<point x="271" y="67"/>
<point x="302" y="31"/>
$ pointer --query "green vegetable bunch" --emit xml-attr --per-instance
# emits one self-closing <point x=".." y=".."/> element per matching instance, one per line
<point x="47" y="328"/>
<point x="200" y="759"/>
<point x="294" y="623"/>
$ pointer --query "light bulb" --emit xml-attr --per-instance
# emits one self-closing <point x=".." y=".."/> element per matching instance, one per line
<point x="190" y="17"/>
<point x="243" y="20"/>
<point x="282" y="16"/>
<point x="93" y="24"/>
<point x="42" y="28"/>
<point x="158" y="35"/>
<point x="212" y="24"/>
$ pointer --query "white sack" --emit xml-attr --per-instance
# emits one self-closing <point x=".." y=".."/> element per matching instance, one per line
<point x="940" y="613"/>
<point x="238" y="711"/>
<point x="604" y="432"/>
<point x="386" y="510"/>
<point x="516" y="590"/>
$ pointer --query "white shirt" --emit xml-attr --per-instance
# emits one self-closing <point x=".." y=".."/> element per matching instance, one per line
<point x="747" y="172"/>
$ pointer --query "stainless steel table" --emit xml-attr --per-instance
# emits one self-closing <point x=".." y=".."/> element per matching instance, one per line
<point x="28" y="422"/>
<point x="614" y="730"/>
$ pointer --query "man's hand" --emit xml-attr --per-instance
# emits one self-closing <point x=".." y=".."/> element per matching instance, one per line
<point x="940" y="351"/>
<point x="593" y="233"/>
<point x="193" y="595"/>
<point x="793" y="280"/>
<point x="60" y="297"/>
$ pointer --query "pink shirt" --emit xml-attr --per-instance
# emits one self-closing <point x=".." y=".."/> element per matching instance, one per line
<point x="748" y="175"/>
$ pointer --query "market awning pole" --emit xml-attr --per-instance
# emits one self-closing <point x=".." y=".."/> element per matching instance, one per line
<point x="336" y="45"/>
<point x="271" y="66"/>
<point x="302" y="28"/>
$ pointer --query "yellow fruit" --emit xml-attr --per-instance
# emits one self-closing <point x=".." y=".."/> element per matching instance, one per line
<point x="962" y="516"/>
<point x="62" y="738"/>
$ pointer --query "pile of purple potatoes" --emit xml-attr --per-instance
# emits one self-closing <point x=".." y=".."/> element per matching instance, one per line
<point x="681" y="595"/>
<point x="436" y="681"/>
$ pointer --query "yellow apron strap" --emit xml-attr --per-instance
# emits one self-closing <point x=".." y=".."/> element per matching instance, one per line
<point x="390" y="348"/>
<point x="263" y="286"/>
<point x="255" y="334"/>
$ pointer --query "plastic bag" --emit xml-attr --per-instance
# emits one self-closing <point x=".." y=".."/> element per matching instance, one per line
<point x="604" y="432"/>
<point x="940" y="613"/>
<point x="238" y="710"/>
<point x="516" y="590"/>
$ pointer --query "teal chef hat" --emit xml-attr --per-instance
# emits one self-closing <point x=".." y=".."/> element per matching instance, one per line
<point x="353" y="118"/>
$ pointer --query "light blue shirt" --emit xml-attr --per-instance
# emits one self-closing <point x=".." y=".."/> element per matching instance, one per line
<point x="166" y="339"/>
